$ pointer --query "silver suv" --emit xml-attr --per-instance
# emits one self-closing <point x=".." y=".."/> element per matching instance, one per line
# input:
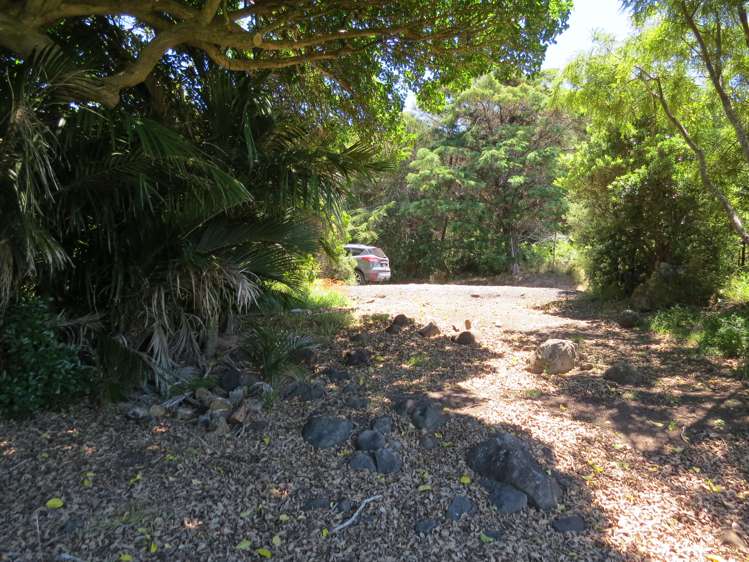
<point x="372" y="265"/>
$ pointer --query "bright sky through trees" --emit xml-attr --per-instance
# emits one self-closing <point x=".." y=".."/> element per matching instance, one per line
<point x="587" y="17"/>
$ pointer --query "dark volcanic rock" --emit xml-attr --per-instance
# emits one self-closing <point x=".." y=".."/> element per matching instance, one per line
<point x="506" y="498"/>
<point x="505" y="458"/>
<point x="401" y="320"/>
<point x="325" y="431"/>
<point x="387" y="461"/>
<point x="459" y="506"/>
<point x="428" y="442"/>
<point x="426" y="526"/>
<point x="394" y="328"/>
<point x="362" y="461"/>
<point x="357" y="402"/>
<point x="428" y="416"/>
<point x="466" y="338"/>
<point x="305" y="391"/>
<point x="569" y="524"/>
<point x="430" y="330"/>
<point x="370" y="440"/>
<point x="357" y="357"/>
<point x="229" y="378"/>
<point x="383" y="424"/>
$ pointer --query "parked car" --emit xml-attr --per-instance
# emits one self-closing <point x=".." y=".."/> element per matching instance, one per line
<point x="372" y="265"/>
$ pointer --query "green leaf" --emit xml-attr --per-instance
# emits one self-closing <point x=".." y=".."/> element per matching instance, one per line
<point x="276" y="540"/>
<point x="325" y="532"/>
<point x="264" y="553"/>
<point x="425" y="488"/>
<point x="283" y="518"/>
<point x="125" y="557"/>
<point x="486" y="539"/>
<point x="245" y="544"/>
<point x="55" y="503"/>
<point x="465" y="480"/>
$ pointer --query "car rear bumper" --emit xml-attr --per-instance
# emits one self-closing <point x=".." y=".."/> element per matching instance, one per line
<point x="378" y="276"/>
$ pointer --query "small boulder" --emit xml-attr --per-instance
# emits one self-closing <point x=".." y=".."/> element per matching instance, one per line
<point x="401" y="320"/>
<point x="219" y="405"/>
<point x="387" y="461"/>
<point x="506" y="498"/>
<point x="336" y="375"/>
<point x="569" y="524"/>
<point x="553" y="356"/>
<point x="240" y="414"/>
<point x="219" y="426"/>
<point x="467" y="324"/>
<point x="428" y="442"/>
<point x="425" y="526"/>
<point x="383" y="424"/>
<point x="394" y="329"/>
<point x="326" y="431"/>
<point x="304" y="391"/>
<point x="466" y="338"/>
<point x="204" y="396"/>
<point x="357" y="357"/>
<point x="157" y="411"/>
<point x="459" y="506"/>
<point x="229" y="378"/>
<point x="430" y="330"/>
<point x="506" y="459"/>
<point x="623" y="372"/>
<point x="362" y="461"/>
<point x="428" y="416"/>
<point x="306" y="355"/>
<point x="370" y="440"/>
<point x="186" y="413"/>
<point x="628" y="319"/>
<point x="237" y="395"/>
<point x="405" y="406"/>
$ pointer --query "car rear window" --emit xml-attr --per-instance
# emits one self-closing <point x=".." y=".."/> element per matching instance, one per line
<point x="377" y="252"/>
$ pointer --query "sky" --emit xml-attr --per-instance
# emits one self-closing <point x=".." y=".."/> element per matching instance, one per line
<point x="587" y="16"/>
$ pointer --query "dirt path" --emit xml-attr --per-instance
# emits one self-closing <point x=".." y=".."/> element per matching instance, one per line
<point x="663" y="465"/>
<point x="658" y="472"/>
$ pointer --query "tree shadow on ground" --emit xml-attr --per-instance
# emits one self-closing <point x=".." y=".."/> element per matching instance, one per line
<point x="689" y="419"/>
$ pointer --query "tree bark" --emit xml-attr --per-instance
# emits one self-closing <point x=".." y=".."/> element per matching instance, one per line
<point x="733" y="217"/>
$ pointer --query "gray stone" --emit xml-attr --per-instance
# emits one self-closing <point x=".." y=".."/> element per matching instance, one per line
<point x="325" y="431"/>
<point x="357" y="357"/>
<point x="362" y="461"/>
<point x="401" y="320"/>
<point x="370" y="440"/>
<point x="383" y="424"/>
<point x="405" y="406"/>
<point x="220" y="405"/>
<point x="505" y="458"/>
<point x="304" y="391"/>
<point x="506" y="498"/>
<point x="394" y="329"/>
<point x="204" y="421"/>
<point x="219" y="426"/>
<point x="569" y="524"/>
<point x="628" y="319"/>
<point x="554" y="356"/>
<point x="228" y="378"/>
<point x="427" y="416"/>
<point x="344" y="506"/>
<point x="624" y="372"/>
<point x="204" y="396"/>
<point x="306" y="355"/>
<point x="387" y="461"/>
<point x="430" y="330"/>
<point x="237" y="395"/>
<point x="426" y="526"/>
<point x="459" y="506"/>
<point x="466" y="338"/>
<point x="157" y="411"/>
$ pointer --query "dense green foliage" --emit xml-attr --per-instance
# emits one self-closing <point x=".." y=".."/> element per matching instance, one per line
<point x="154" y="194"/>
<point x="37" y="369"/>
<point x="477" y="195"/>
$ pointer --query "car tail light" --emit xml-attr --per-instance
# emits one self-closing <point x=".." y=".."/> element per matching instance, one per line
<point x="372" y="259"/>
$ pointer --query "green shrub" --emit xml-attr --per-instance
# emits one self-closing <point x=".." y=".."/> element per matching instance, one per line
<point x="37" y="370"/>
<point x="736" y="290"/>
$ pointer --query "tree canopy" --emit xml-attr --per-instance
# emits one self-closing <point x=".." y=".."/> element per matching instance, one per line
<point x="361" y="53"/>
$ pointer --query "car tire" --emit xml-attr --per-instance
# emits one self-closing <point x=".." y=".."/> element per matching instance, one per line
<point x="360" y="279"/>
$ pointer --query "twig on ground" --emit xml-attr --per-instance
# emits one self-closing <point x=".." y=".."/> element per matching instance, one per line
<point x="350" y="521"/>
